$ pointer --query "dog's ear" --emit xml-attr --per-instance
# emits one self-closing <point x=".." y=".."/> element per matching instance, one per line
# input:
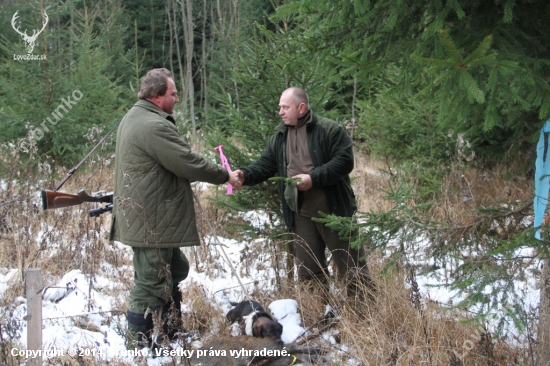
<point x="258" y="326"/>
<point x="233" y="316"/>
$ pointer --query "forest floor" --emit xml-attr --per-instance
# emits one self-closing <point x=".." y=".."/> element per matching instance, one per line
<point x="87" y="280"/>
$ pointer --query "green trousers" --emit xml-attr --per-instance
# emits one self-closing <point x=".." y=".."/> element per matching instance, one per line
<point x="157" y="273"/>
<point x="310" y="240"/>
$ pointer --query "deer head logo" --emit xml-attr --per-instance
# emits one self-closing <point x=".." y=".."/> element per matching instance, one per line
<point x="29" y="40"/>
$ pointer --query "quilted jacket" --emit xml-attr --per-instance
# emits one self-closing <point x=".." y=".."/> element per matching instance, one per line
<point x="153" y="201"/>
<point x="331" y="151"/>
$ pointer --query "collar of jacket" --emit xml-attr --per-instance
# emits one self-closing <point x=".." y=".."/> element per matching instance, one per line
<point x="310" y="121"/>
<point x="150" y="106"/>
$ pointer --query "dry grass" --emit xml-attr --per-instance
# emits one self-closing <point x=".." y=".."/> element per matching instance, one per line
<point x="369" y="178"/>
<point x="202" y="314"/>
<point x="56" y="241"/>
<point x="465" y="191"/>
<point x="398" y="329"/>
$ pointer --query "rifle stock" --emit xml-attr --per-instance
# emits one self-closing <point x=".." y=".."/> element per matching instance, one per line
<point x="52" y="199"/>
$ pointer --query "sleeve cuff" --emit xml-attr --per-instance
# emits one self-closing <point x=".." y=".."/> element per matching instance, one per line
<point x="220" y="169"/>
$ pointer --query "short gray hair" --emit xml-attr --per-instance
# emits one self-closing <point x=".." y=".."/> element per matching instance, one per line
<point x="300" y="96"/>
<point x="154" y="83"/>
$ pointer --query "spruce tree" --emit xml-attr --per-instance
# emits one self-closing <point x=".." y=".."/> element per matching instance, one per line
<point x="484" y="62"/>
<point x="431" y="74"/>
<point x="57" y="102"/>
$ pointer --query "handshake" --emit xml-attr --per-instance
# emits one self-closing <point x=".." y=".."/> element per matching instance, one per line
<point x="236" y="179"/>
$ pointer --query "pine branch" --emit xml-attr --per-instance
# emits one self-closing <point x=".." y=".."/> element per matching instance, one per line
<point x="508" y="11"/>
<point x="451" y="48"/>
<point x="442" y="63"/>
<point x="545" y="107"/>
<point x="472" y="87"/>
<point x="457" y="8"/>
<point x="448" y="74"/>
<point x="482" y="48"/>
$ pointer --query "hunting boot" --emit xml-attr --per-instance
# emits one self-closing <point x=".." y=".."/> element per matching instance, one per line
<point x="140" y="329"/>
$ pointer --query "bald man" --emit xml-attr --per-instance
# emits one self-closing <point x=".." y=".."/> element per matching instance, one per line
<point x="317" y="153"/>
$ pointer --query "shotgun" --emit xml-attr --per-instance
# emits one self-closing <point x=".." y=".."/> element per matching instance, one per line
<point x="98" y="211"/>
<point x="53" y="199"/>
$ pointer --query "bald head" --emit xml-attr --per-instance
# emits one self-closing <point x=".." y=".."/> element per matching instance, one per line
<point x="294" y="104"/>
<point x="299" y="95"/>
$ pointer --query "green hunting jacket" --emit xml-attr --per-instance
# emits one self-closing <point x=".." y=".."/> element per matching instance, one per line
<point x="153" y="201"/>
<point x="331" y="151"/>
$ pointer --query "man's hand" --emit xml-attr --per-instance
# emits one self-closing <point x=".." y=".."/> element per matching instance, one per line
<point x="306" y="182"/>
<point x="234" y="180"/>
<point x="240" y="175"/>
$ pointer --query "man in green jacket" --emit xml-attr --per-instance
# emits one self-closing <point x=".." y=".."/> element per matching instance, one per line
<point x="317" y="153"/>
<point x="153" y="204"/>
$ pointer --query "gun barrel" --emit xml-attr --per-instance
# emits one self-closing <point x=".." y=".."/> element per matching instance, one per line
<point x="98" y="211"/>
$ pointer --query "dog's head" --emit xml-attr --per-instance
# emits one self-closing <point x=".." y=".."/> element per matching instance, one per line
<point x="265" y="327"/>
<point x="242" y="309"/>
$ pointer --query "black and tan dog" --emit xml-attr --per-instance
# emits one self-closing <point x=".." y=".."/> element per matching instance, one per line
<point x="254" y="320"/>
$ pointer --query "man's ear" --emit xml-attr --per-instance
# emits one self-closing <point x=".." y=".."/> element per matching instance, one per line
<point x="155" y="100"/>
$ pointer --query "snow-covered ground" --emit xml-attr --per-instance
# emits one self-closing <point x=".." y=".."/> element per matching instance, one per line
<point x="79" y="319"/>
<point x="83" y="319"/>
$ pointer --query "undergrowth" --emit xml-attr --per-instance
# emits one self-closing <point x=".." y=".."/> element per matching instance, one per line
<point x="399" y="327"/>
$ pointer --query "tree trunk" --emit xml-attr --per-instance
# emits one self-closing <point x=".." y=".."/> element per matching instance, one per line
<point x="171" y="47"/>
<point x="183" y="90"/>
<point x="187" y="20"/>
<point x="223" y="41"/>
<point x="543" y="347"/>
<point x="236" y="19"/>
<point x="47" y="90"/>
<point x="353" y="119"/>
<point x="204" y="86"/>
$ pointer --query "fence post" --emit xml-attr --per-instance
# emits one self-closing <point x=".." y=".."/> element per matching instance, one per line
<point x="33" y="288"/>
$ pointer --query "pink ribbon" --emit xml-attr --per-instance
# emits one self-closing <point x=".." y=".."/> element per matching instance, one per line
<point x="225" y="164"/>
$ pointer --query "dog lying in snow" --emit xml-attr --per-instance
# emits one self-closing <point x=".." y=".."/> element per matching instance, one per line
<point x="248" y="351"/>
<point x="254" y="320"/>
